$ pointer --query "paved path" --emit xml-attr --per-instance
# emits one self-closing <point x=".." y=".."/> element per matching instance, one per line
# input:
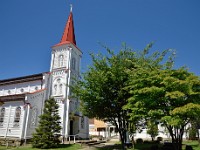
<point x="102" y="145"/>
<point x="94" y="147"/>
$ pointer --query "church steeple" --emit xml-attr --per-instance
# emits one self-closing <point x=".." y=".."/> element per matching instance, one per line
<point x="68" y="34"/>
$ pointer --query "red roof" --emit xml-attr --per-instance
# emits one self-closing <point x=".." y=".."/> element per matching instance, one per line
<point x="68" y="34"/>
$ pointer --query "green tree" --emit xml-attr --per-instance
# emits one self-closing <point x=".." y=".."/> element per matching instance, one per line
<point x="47" y="133"/>
<point x="102" y="88"/>
<point x="166" y="95"/>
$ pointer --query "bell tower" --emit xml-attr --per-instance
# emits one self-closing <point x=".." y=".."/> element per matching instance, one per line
<point x="65" y="66"/>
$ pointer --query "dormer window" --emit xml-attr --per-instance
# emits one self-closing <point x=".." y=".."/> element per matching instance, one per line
<point x="61" y="60"/>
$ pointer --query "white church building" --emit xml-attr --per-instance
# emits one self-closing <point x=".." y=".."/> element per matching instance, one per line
<point x="22" y="98"/>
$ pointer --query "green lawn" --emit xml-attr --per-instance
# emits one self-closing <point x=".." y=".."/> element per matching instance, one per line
<point x="195" y="144"/>
<point x="61" y="147"/>
<point x="143" y="146"/>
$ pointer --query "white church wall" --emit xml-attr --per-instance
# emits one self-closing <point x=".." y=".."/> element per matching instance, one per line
<point x="61" y="109"/>
<point x="75" y="60"/>
<point x="20" y="88"/>
<point x="11" y="128"/>
<point x="59" y="84"/>
<point x="36" y="101"/>
<point x="60" y="57"/>
<point x="84" y="127"/>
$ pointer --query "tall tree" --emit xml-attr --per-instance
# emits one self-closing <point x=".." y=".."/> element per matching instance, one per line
<point x="167" y="95"/>
<point x="102" y="88"/>
<point x="47" y="133"/>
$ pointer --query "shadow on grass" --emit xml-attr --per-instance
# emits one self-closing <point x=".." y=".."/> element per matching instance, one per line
<point x="109" y="147"/>
<point x="65" y="145"/>
<point x="68" y="146"/>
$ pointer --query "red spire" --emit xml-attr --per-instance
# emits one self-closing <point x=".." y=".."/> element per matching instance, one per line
<point x="68" y="34"/>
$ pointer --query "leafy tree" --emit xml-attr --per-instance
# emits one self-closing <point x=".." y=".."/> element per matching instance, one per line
<point x="166" y="95"/>
<point x="102" y="88"/>
<point x="48" y="131"/>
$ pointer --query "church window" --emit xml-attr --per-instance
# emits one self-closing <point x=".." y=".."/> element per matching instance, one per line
<point x="60" y="88"/>
<point x="22" y="90"/>
<point x="17" y="116"/>
<point x="61" y="60"/>
<point x="55" y="89"/>
<point x="58" y="80"/>
<point x="73" y="63"/>
<point x="33" y="117"/>
<point x="36" y="88"/>
<point x="82" y="122"/>
<point x="2" y="114"/>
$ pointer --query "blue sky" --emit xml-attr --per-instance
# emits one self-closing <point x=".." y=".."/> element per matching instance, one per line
<point x="28" y="29"/>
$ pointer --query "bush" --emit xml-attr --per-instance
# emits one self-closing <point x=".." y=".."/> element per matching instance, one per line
<point x="138" y="141"/>
<point x="188" y="147"/>
<point x="159" y="139"/>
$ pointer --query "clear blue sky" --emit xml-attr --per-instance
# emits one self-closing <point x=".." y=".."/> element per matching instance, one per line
<point x="28" y="29"/>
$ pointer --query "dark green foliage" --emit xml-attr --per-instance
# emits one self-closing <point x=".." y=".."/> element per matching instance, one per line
<point x="139" y="141"/>
<point x="47" y="133"/>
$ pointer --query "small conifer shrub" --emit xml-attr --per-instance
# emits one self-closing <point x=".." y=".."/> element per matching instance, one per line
<point x="48" y="132"/>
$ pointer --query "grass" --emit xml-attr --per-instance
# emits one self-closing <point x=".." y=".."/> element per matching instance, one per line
<point x="145" y="146"/>
<point x="195" y="144"/>
<point x="28" y="147"/>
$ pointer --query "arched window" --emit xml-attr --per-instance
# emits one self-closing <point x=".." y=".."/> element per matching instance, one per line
<point x="55" y="89"/>
<point x="73" y="63"/>
<point x="61" y="60"/>
<point x="82" y="122"/>
<point x="60" y="89"/>
<point x="34" y="117"/>
<point x="17" y="116"/>
<point x="2" y="114"/>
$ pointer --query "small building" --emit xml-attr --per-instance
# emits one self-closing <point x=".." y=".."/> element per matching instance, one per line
<point x="98" y="128"/>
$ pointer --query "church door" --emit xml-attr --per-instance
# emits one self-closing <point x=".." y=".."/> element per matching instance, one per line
<point x="71" y="127"/>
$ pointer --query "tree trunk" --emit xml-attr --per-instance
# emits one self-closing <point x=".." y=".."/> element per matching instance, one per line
<point x="177" y="138"/>
<point x="122" y="138"/>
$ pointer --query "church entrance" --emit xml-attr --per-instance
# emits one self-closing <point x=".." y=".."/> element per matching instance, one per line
<point x="71" y="127"/>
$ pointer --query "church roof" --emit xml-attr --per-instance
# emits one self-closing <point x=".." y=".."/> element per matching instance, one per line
<point x="68" y="34"/>
<point x="16" y="97"/>
<point x="28" y="78"/>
